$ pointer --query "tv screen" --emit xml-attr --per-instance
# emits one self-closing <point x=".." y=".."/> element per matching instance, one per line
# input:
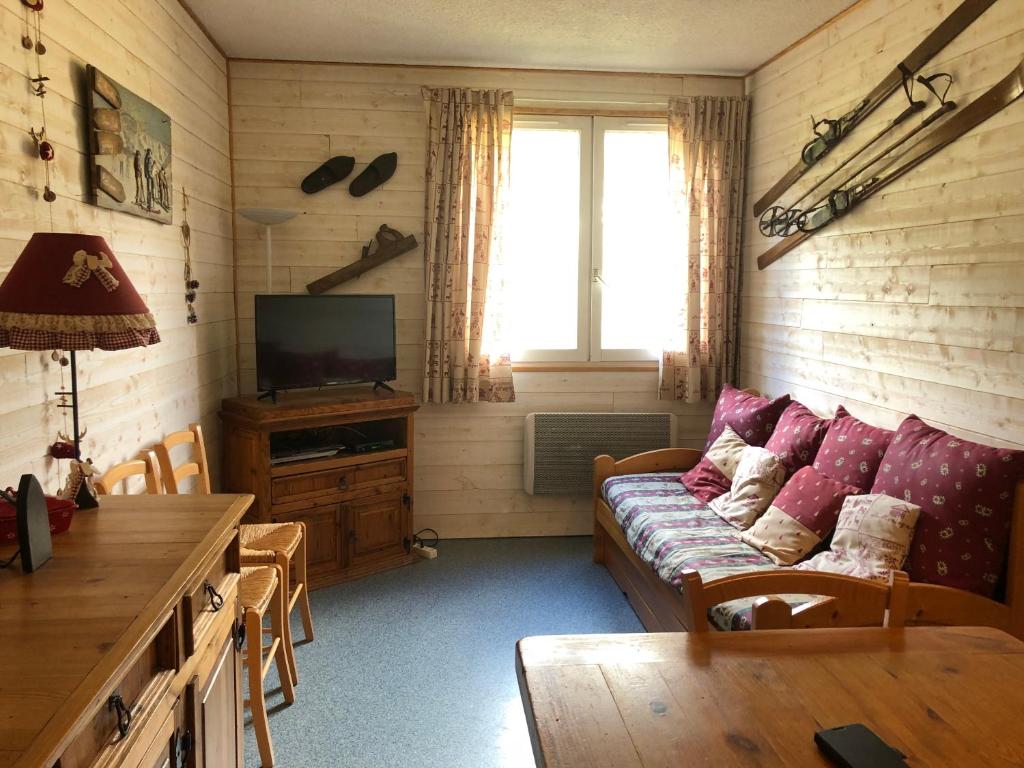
<point x="313" y="341"/>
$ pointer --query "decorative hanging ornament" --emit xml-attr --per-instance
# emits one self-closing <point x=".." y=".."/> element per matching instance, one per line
<point x="191" y="284"/>
<point x="43" y="147"/>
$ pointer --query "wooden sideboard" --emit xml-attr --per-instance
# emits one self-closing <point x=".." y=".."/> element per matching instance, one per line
<point x="357" y="507"/>
<point x="122" y="616"/>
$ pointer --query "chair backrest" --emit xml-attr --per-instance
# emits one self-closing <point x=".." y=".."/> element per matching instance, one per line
<point x="195" y="466"/>
<point x="848" y="601"/>
<point x="145" y="466"/>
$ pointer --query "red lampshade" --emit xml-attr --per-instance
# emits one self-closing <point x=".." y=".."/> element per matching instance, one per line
<point x="67" y="291"/>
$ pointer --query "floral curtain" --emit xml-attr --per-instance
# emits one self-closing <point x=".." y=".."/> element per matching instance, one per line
<point x="707" y="151"/>
<point x="469" y="138"/>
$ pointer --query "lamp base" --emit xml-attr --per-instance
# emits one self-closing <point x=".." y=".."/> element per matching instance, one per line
<point x="84" y="498"/>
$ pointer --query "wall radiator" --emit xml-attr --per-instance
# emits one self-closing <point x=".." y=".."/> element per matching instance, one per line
<point x="559" y="448"/>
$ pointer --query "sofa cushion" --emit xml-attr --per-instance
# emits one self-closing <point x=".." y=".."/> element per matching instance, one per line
<point x="801" y="517"/>
<point x="852" y="450"/>
<point x="797" y="436"/>
<point x="966" y="494"/>
<point x="712" y="476"/>
<point x="752" y="416"/>
<point x="871" y="540"/>
<point x="756" y="482"/>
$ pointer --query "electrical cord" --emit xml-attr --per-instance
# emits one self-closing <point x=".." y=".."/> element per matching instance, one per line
<point x="417" y="539"/>
<point x="7" y="563"/>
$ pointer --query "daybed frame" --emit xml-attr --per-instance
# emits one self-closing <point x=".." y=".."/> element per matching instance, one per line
<point x="662" y="608"/>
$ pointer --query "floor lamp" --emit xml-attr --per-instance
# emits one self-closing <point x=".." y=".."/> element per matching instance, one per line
<point x="268" y="217"/>
<point x="68" y="292"/>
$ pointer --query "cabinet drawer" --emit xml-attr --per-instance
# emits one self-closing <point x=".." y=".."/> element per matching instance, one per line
<point x="206" y="597"/>
<point x="144" y="694"/>
<point x="339" y="480"/>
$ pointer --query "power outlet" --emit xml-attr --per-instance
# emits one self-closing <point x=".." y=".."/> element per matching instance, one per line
<point x="428" y="553"/>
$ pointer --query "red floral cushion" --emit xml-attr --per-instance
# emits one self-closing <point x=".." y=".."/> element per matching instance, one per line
<point x="713" y="474"/>
<point x="801" y="516"/>
<point x="814" y="500"/>
<point x="752" y="417"/>
<point x="797" y="437"/>
<point x="965" y="491"/>
<point x="852" y="450"/>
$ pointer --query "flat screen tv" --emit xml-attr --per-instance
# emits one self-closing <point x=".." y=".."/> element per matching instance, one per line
<point x="315" y="341"/>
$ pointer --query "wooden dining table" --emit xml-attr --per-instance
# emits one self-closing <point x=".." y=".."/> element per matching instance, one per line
<point x="943" y="696"/>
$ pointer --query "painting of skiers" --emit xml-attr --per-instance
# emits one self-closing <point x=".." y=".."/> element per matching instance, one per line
<point x="131" y="151"/>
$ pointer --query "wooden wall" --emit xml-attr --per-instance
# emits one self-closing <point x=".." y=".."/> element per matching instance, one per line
<point x="289" y="117"/>
<point x="131" y="397"/>
<point x="915" y="301"/>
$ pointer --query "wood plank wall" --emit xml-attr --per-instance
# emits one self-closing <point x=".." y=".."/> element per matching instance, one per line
<point x="914" y="302"/>
<point x="286" y="119"/>
<point x="129" y="398"/>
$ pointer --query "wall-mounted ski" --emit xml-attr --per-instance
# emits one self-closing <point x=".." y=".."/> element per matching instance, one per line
<point x="781" y="222"/>
<point x="836" y="130"/>
<point x="842" y="201"/>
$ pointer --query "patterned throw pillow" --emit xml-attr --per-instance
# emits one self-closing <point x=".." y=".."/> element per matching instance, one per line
<point x="871" y="540"/>
<point x="802" y="515"/>
<point x="713" y="474"/>
<point x="965" y="491"/>
<point x="757" y="480"/>
<point x="852" y="450"/>
<point x="752" y="417"/>
<point x="797" y="436"/>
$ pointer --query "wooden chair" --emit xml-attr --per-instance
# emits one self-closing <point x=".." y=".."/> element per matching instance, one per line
<point x="196" y="466"/>
<point x="281" y="544"/>
<point x="146" y="466"/>
<point x="848" y="601"/>
<point x="260" y="594"/>
<point x="934" y="605"/>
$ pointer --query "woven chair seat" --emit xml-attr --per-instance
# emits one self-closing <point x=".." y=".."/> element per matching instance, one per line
<point x="257" y="587"/>
<point x="262" y="541"/>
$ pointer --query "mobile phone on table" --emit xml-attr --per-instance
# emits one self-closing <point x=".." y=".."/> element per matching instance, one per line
<point x="857" y="746"/>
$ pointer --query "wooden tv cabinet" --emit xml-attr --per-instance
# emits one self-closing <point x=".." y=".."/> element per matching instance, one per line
<point x="357" y="507"/>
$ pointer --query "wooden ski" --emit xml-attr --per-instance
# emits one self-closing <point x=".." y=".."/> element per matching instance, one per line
<point x="940" y="37"/>
<point x="999" y="96"/>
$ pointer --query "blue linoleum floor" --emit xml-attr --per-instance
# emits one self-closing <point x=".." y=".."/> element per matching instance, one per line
<point x="416" y="667"/>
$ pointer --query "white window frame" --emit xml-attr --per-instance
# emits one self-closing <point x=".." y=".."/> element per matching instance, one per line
<point x="583" y="125"/>
<point x="590" y="283"/>
<point x="601" y="126"/>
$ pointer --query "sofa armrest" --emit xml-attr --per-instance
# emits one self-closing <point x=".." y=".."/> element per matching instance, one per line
<point x="662" y="460"/>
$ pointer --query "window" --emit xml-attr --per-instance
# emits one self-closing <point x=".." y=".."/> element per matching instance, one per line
<point x="591" y="274"/>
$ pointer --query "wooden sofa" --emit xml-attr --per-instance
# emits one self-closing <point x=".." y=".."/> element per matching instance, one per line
<point x="662" y="608"/>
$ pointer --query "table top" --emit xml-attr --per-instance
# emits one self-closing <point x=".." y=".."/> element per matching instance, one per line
<point x="944" y="696"/>
<point x="68" y="629"/>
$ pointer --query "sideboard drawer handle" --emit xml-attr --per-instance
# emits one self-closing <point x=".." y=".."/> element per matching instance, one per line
<point x="216" y="599"/>
<point x="124" y="716"/>
<point x="343" y="482"/>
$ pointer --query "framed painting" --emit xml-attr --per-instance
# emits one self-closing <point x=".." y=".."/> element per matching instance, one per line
<point x="130" y="152"/>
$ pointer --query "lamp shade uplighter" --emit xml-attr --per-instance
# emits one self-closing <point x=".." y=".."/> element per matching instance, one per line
<point x="68" y="291"/>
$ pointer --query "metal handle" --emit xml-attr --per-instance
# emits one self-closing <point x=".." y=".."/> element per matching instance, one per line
<point x="181" y="746"/>
<point x="239" y="636"/>
<point x="216" y="599"/>
<point x="343" y="482"/>
<point x="124" y="716"/>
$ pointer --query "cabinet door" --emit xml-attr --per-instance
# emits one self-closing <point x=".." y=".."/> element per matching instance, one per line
<point x="323" y="540"/>
<point x="218" y="712"/>
<point x="377" y="525"/>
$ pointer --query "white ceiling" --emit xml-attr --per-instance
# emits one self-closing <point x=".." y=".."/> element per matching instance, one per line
<point x="698" y="36"/>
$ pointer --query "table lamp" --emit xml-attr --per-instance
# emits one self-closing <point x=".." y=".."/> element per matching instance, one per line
<point x="68" y="292"/>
